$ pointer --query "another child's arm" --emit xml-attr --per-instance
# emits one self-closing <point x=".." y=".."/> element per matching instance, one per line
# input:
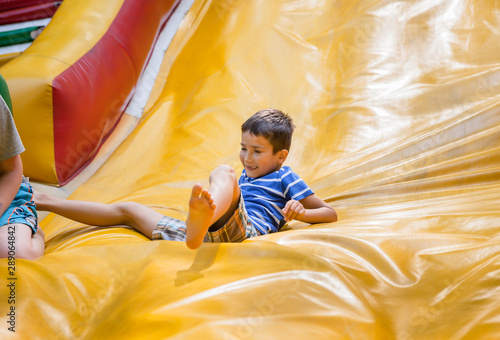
<point x="310" y="209"/>
<point x="11" y="175"/>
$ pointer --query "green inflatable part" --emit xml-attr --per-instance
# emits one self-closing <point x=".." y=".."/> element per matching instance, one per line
<point x="4" y="92"/>
<point x="18" y="36"/>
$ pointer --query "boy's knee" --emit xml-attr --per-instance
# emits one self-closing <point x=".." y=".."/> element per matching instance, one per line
<point x="15" y="241"/>
<point x="4" y="246"/>
<point x="28" y="253"/>
<point x="127" y="208"/>
<point x="223" y="170"/>
<point x="19" y="250"/>
<point x="128" y="212"/>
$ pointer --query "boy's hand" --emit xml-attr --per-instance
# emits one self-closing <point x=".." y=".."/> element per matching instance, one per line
<point x="293" y="210"/>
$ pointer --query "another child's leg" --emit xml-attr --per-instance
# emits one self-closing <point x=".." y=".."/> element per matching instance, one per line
<point x="212" y="207"/>
<point x="17" y="240"/>
<point x="135" y="215"/>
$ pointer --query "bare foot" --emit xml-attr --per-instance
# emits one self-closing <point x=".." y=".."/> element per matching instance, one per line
<point x="201" y="212"/>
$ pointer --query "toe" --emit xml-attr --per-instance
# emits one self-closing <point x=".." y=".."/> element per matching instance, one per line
<point x="205" y="193"/>
<point x="197" y="190"/>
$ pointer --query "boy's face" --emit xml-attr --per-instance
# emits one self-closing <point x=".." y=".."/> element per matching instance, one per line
<point x="257" y="156"/>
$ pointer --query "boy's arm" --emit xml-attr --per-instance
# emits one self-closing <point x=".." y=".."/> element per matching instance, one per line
<point x="11" y="175"/>
<point x="311" y="209"/>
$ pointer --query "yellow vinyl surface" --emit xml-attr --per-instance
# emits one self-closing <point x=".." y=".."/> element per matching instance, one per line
<point x="74" y="30"/>
<point x="397" y="109"/>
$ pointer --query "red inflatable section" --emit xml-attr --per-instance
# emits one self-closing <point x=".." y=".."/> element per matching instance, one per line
<point x="20" y="11"/>
<point x="86" y="99"/>
<point x="6" y="5"/>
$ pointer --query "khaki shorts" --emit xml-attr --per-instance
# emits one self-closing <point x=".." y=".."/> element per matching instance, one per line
<point x="237" y="229"/>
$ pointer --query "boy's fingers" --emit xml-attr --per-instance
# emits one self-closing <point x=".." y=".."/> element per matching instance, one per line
<point x="285" y="212"/>
<point x="290" y="210"/>
<point x="297" y="210"/>
<point x="301" y="212"/>
<point x="287" y="206"/>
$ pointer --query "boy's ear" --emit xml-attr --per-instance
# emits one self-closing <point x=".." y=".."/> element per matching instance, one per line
<point x="282" y="155"/>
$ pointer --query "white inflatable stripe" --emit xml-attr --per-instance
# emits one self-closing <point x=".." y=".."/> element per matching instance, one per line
<point x="145" y="84"/>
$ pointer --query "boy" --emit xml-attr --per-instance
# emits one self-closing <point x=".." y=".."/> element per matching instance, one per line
<point x="266" y="195"/>
<point x="20" y="236"/>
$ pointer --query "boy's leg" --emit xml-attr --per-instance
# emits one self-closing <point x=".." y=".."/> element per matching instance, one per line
<point x="212" y="208"/>
<point x="17" y="240"/>
<point x="135" y="215"/>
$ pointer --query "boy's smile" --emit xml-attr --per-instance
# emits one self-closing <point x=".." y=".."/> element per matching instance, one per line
<point x="257" y="155"/>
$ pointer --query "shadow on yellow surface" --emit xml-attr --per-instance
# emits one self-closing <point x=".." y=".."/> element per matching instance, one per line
<point x="398" y="127"/>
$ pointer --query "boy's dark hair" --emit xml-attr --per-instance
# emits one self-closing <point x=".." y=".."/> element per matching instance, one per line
<point x="274" y="125"/>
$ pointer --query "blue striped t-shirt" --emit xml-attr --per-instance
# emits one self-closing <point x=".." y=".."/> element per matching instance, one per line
<point x="266" y="196"/>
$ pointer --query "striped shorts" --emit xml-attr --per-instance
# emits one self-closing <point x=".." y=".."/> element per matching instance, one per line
<point x="237" y="229"/>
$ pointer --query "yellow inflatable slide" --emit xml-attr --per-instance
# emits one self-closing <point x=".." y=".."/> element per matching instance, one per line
<point x="397" y="108"/>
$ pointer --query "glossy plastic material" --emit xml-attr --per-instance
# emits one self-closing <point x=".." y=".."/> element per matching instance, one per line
<point x="34" y="12"/>
<point x="8" y="5"/>
<point x="398" y="127"/>
<point x="5" y="58"/>
<point x="18" y="36"/>
<point x="77" y="78"/>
